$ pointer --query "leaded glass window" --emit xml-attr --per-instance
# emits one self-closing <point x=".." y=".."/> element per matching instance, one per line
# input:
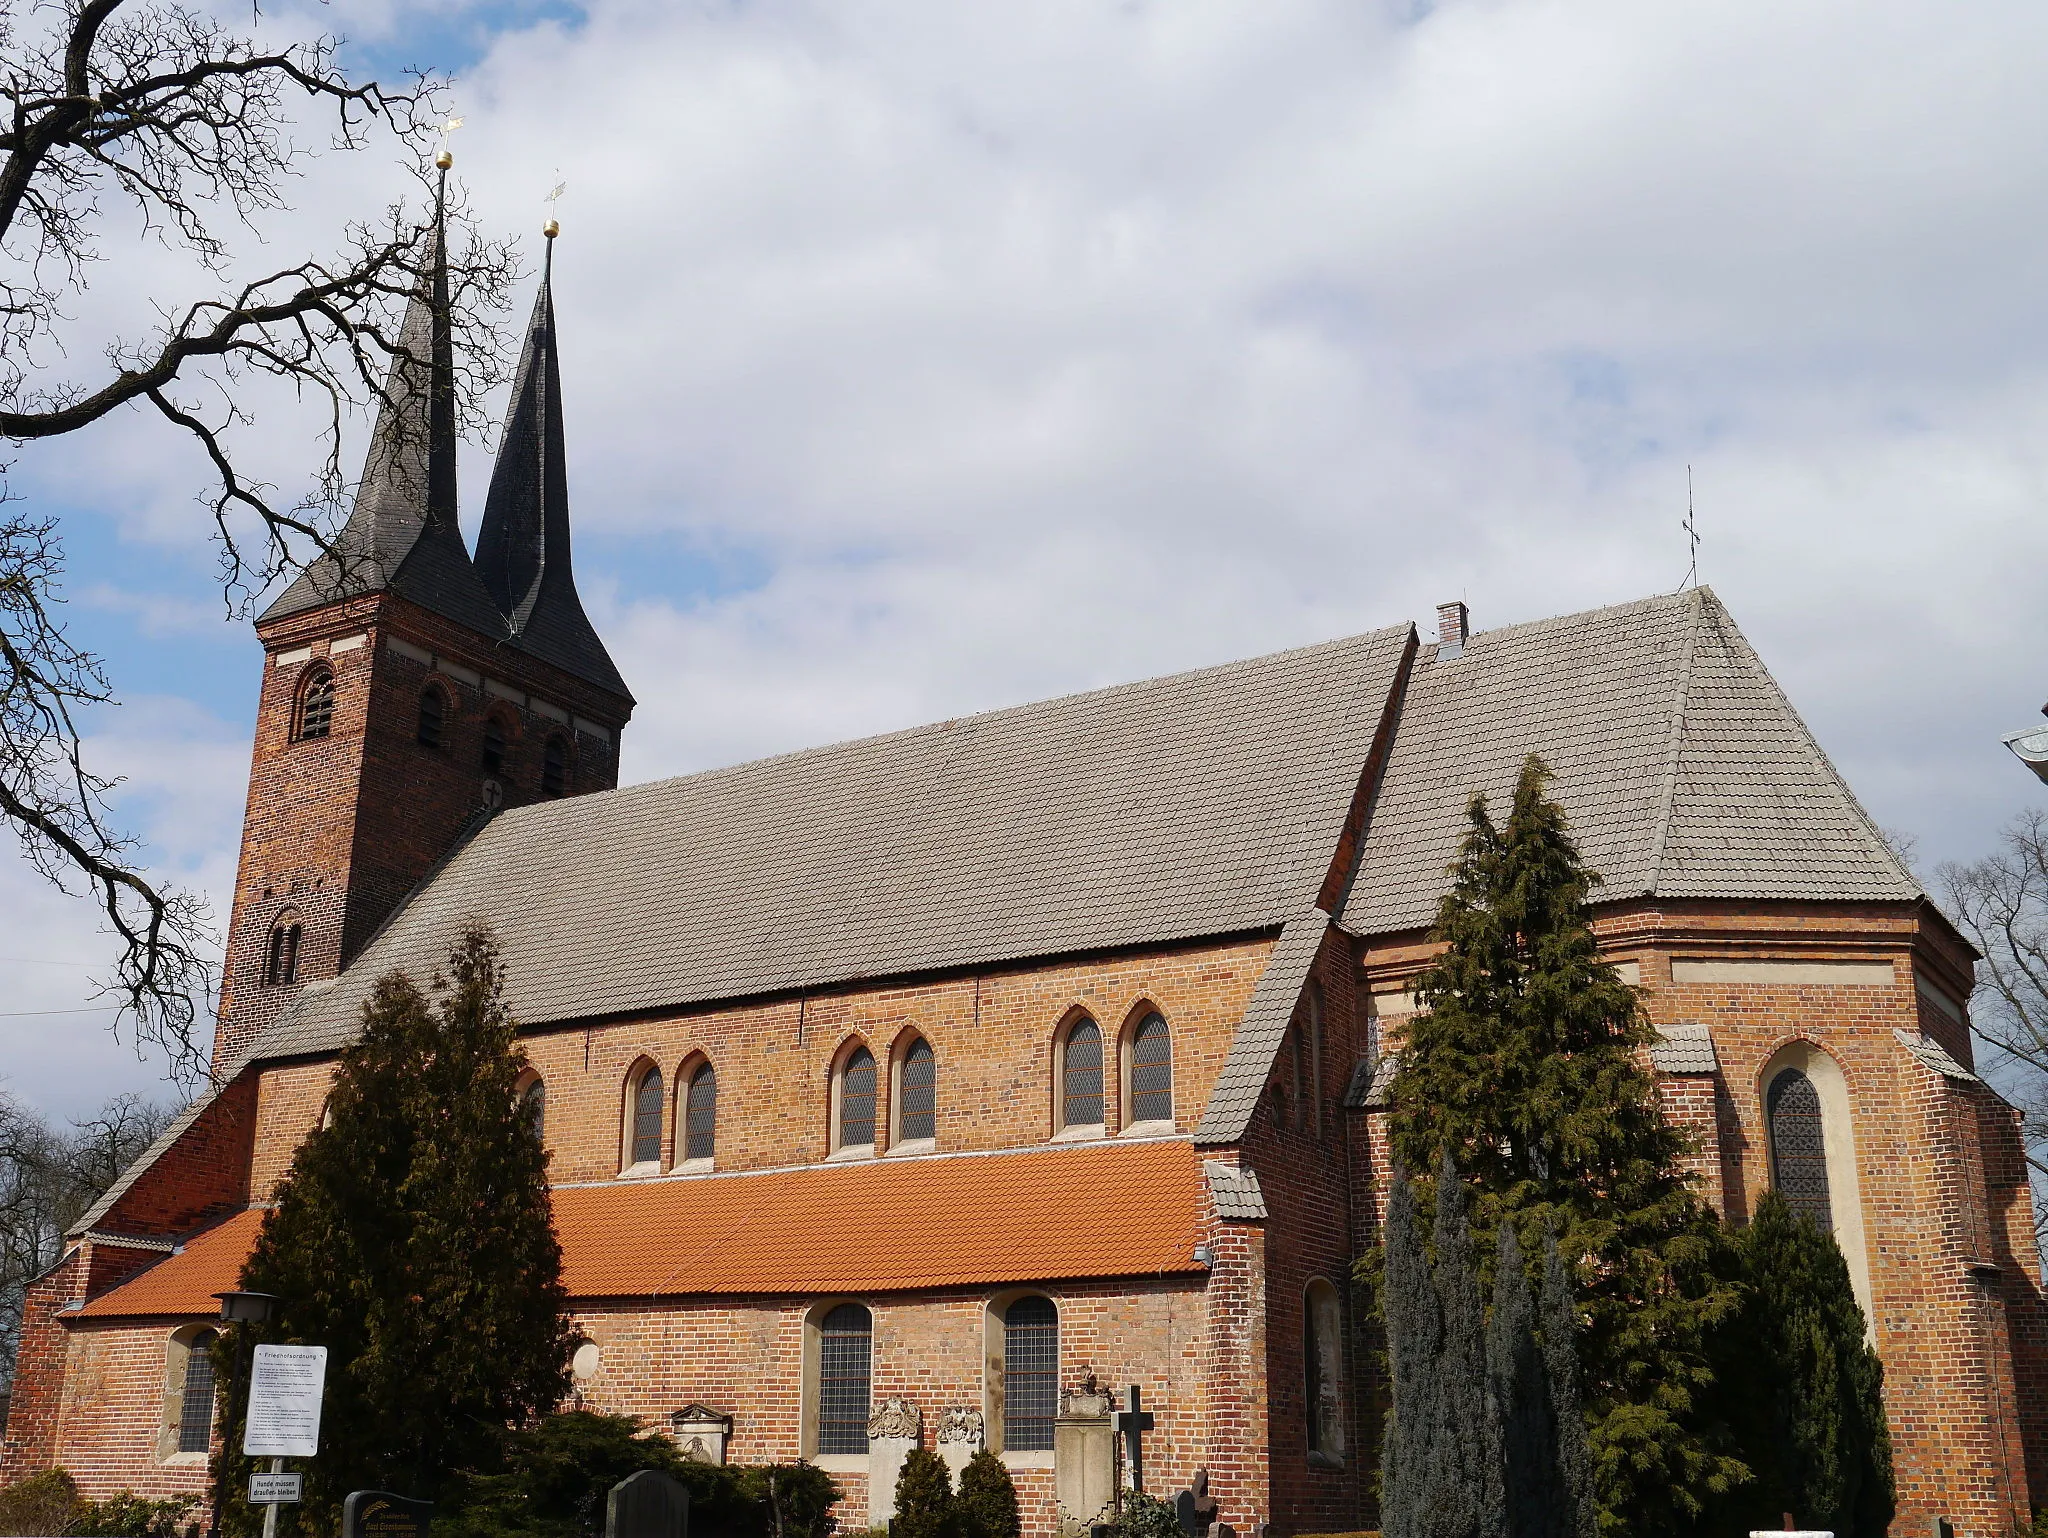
<point x="919" y="1114"/>
<point x="1152" y="1071"/>
<point x="195" y="1404"/>
<point x="700" y="1115"/>
<point x="1031" y="1375"/>
<point x="845" y="1348"/>
<point x="1081" y="1076"/>
<point x="316" y="707"/>
<point x="1322" y="1363"/>
<point x="535" y="1104"/>
<point x="1799" y="1155"/>
<point x="647" y="1118"/>
<point x="857" y="1101"/>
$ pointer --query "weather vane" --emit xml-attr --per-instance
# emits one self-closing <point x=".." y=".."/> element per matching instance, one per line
<point x="443" y="159"/>
<point x="553" y="227"/>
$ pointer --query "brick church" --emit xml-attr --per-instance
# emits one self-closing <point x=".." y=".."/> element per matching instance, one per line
<point x="937" y="1087"/>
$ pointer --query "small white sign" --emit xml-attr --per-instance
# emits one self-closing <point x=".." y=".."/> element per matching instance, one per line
<point x="284" y="1402"/>
<point x="273" y="1489"/>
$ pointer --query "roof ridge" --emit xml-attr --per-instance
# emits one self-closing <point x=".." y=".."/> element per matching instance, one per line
<point x="975" y="719"/>
<point x="1667" y="798"/>
<point x="1739" y="647"/>
<point x="1578" y="616"/>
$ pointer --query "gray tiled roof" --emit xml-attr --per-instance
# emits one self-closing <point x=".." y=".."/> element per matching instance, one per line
<point x="1684" y="770"/>
<point x="1932" y="1054"/>
<point x="1264" y="1026"/>
<point x="1235" y="1192"/>
<point x="1685" y="1049"/>
<point x="1205" y="803"/>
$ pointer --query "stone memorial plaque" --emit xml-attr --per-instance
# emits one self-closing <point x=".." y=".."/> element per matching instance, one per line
<point x="380" y="1514"/>
<point x="701" y="1433"/>
<point x="285" y="1386"/>
<point x="649" y="1504"/>
<point x="961" y="1436"/>
<point x="894" y="1427"/>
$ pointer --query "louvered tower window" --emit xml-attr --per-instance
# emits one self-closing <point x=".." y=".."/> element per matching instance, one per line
<point x="1081" y="1076"/>
<point x="282" y="966"/>
<point x="316" y="707"/>
<point x="857" y="1101"/>
<point x="1031" y="1375"/>
<point x="647" y="1118"/>
<point x="1799" y="1155"/>
<point x="845" y="1347"/>
<point x="1152" y="1071"/>
<point x="492" y="760"/>
<point x="919" y="1114"/>
<point x="433" y="717"/>
<point x="700" y="1114"/>
<point x="554" y="768"/>
<point x="195" y="1404"/>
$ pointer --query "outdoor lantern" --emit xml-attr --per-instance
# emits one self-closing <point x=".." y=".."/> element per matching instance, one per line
<point x="2031" y="748"/>
<point x="246" y="1307"/>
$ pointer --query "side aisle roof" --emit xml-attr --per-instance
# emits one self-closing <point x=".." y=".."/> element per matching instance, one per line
<point x="1200" y="804"/>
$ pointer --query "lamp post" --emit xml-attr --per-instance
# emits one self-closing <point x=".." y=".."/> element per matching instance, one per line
<point x="236" y="1308"/>
<point x="2030" y="746"/>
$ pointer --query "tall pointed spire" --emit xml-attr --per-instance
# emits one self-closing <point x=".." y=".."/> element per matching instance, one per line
<point x="403" y="534"/>
<point x="522" y="550"/>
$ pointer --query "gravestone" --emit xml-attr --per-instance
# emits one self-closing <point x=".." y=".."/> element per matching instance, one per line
<point x="960" y="1437"/>
<point x="649" y="1504"/>
<point x="380" y="1514"/>
<point x="1084" y="1461"/>
<point x="701" y="1433"/>
<point x="1197" y="1512"/>
<point x="894" y="1427"/>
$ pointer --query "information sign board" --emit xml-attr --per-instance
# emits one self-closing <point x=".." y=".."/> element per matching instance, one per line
<point x="284" y="1402"/>
<point x="273" y="1489"/>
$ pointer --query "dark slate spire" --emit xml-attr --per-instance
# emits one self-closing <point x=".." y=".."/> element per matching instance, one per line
<point x="402" y="535"/>
<point x="522" y="551"/>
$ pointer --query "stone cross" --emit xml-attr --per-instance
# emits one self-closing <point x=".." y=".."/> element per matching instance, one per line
<point x="649" y="1504"/>
<point x="1131" y="1425"/>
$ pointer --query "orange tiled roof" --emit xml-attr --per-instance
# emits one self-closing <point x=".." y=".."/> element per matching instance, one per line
<point x="1041" y="1215"/>
<point x="187" y="1282"/>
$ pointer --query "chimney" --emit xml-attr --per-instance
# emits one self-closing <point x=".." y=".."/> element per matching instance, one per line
<point x="1452" y="626"/>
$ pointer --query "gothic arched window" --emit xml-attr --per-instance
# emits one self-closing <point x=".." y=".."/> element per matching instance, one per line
<point x="433" y="717"/>
<point x="1799" y="1154"/>
<point x="1322" y="1371"/>
<point x="645" y="1128"/>
<point x="700" y="1114"/>
<point x="281" y="965"/>
<point x="533" y="1100"/>
<point x="1081" y="1075"/>
<point x="554" y="767"/>
<point x="316" y="705"/>
<point x="1151" y="1071"/>
<point x="845" y="1359"/>
<point x="857" y="1100"/>
<point x="195" y="1400"/>
<point x="917" y="1116"/>
<point x="1031" y="1374"/>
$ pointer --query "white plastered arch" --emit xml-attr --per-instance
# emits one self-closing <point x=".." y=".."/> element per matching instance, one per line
<point x="1838" y="1136"/>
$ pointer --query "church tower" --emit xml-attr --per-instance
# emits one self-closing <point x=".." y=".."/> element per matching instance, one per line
<point x="409" y="692"/>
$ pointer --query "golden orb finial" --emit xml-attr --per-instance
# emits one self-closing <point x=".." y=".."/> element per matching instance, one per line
<point x="551" y="229"/>
<point x="444" y="160"/>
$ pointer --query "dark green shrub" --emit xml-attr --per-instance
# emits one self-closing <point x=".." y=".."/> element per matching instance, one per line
<point x="987" y="1503"/>
<point x="924" y="1497"/>
<point x="790" y="1500"/>
<point x="127" y="1515"/>
<point x="42" y="1503"/>
<point x="1145" y="1516"/>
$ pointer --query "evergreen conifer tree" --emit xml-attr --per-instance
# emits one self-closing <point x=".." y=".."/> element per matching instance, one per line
<point x="987" y="1502"/>
<point x="924" y="1497"/>
<point x="1521" y="1389"/>
<point x="1523" y="1066"/>
<point x="1577" y="1515"/>
<point x="413" y="1238"/>
<point x="1409" y="1461"/>
<point x="1472" y="1496"/>
<point x="1809" y="1401"/>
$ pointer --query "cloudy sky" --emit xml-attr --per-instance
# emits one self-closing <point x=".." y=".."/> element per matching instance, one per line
<point x="923" y="358"/>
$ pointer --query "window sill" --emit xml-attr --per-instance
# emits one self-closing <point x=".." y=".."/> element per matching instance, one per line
<point x="641" y="1170"/>
<point x="1148" y="1129"/>
<point x="916" y="1145"/>
<point x="693" y="1167"/>
<point x="840" y="1156"/>
<point x="1324" y="1461"/>
<point x="1027" y="1460"/>
<point x="1085" y="1133"/>
<point x="840" y="1463"/>
<point x="184" y="1461"/>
